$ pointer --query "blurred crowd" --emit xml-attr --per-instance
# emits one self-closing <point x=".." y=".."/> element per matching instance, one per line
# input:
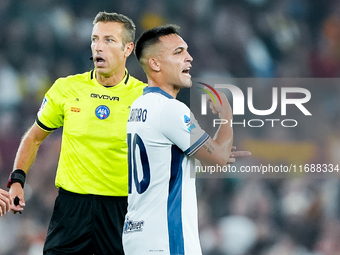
<point x="42" y="40"/>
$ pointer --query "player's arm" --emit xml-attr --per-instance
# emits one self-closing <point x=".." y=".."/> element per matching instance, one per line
<point x="219" y="149"/>
<point x="25" y="157"/>
<point x="5" y="202"/>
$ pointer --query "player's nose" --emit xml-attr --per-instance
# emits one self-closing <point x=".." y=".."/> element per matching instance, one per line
<point x="188" y="58"/>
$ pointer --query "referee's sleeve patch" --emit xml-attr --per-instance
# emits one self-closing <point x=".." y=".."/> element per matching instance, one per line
<point x="43" y="104"/>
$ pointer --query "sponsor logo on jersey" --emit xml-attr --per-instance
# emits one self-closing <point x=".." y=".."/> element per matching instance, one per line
<point x="138" y="114"/>
<point x="133" y="226"/>
<point x="106" y="97"/>
<point x="102" y="112"/>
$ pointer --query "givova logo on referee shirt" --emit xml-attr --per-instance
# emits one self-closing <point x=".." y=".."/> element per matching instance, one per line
<point x="106" y="97"/>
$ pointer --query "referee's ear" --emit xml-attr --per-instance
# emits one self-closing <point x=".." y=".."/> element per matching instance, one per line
<point x="128" y="48"/>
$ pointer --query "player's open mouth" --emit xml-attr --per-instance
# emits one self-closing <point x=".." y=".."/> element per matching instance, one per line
<point x="186" y="71"/>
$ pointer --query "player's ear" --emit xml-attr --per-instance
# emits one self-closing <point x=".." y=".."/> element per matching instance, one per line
<point x="128" y="48"/>
<point x="154" y="64"/>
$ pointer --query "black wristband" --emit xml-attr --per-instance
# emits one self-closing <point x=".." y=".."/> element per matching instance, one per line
<point x="17" y="175"/>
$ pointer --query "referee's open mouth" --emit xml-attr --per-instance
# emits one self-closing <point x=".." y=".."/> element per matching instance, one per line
<point x="99" y="61"/>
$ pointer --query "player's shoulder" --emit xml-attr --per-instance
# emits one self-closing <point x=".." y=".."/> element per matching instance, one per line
<point x="162" y="99"/>
<point x="174" y="118"/>
<point x="171" y="109"/>
<point x="174" y="104"/>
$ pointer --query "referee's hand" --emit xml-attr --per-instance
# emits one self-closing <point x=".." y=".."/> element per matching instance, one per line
<point x="17" y="191"/>
<point x="5" y="202"/>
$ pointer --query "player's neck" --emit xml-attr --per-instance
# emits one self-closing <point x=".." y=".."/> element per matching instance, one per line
<point x="165" y="87"/>
<point x="111" y="80"/>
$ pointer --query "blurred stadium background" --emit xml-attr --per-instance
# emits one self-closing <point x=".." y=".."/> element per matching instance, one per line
<point x="42" y="40"/>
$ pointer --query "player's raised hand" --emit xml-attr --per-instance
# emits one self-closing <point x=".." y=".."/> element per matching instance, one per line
<point x="5" y="202"/>
<point x="218" y="103"/>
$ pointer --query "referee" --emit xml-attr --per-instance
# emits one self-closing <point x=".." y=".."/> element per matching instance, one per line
<point x="92" y="175"/>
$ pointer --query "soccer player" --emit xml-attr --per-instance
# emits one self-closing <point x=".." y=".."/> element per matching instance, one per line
<point x="92" y="174"/>
<point x="5" y="202"/>
<point x="163" y="137"/>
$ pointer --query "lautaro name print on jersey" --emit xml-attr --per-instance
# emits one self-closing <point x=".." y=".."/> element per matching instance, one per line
<point x="138" y="114"/>
<point x="162" y="132"/>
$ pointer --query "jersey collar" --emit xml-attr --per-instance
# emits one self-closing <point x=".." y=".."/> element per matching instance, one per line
<point x="156" y="90"/>
<point x="126" y="77"/>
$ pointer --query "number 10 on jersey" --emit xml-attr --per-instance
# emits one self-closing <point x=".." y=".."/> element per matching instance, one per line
<point x="133" y="156"/>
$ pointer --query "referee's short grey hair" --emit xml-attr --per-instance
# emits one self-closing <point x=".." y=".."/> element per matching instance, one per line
<point x="129" y="27"/>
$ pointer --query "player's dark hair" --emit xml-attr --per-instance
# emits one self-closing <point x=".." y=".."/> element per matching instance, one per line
<point x="129" y="27"/>
<point x="151" y="37"/>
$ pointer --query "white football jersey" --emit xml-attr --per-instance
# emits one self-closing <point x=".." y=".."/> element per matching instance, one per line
<point x="162" y="206"/>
